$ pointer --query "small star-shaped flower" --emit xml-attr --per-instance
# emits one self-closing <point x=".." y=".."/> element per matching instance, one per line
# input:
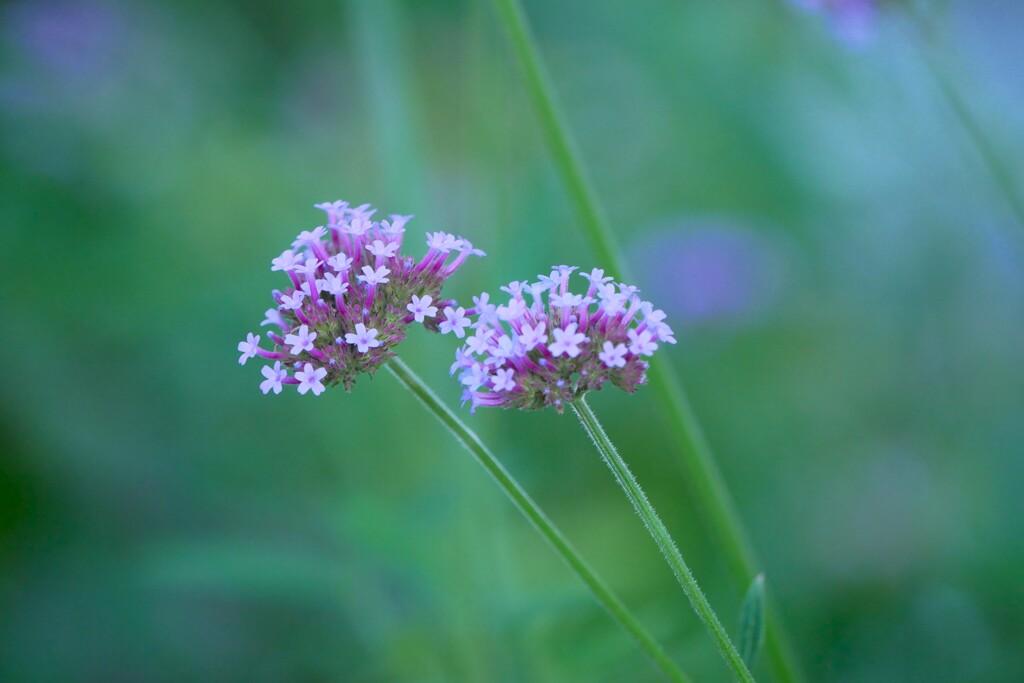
<point x="249" y="347"/>
<point x="485" y="310"/>
<point x="442" y="241"/>
<point x="567" y="299"/>
<point x="286" y="261"/>
<point x="532" y="336"/>
<point x="273" y="317"/>
<point x="474" y="376"/>
<point x="334" y="285"/>
<point x="502" y="380"/>
<point x="514" y="310"/>
<point x="363" y="339"/>
<point x="641" y="343"/>
<point x="455" y="321"/>
<point x="294" y="301"/>
<point x="479" y="342"/>
<point x="373" y="276"/>
<point x="274" y="376"/>
<point x="664" y="333"/>
<point x="310" y="379"/>
<point x="566" y="341"/>
<point x="420" y="307"/>
<point x="515" y="288"/>
<point x="613" y="355"/>
<point x="308" y="267"/>
<point x="359" y="225"/>
<point x="310" y="236"/>
<point x="335" y="210"/>
<point x="505" y="347"/>
<point x="340" y="262"/>
<point x="596" y="277"/>
<point x="383" y="249"/>
<point x="303" y="341"/>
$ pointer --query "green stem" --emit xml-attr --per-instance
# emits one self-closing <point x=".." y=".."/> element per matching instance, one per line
<point x="712" y="498"/>
<point x="661" y="536"/>
<point x="998" y="168"/>
<point x="555" y="131"/>
<point x="708" y="489"/>
<point x="537" y="518"/>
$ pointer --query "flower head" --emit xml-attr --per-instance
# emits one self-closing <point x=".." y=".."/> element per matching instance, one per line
<point x="548" y="346"/>
<point x="347" y="303"/>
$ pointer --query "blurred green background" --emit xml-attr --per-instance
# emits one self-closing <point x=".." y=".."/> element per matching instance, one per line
<point x="845" y="276"/>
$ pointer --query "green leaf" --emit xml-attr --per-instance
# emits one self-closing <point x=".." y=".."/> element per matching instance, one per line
<point x="751" y="636"/>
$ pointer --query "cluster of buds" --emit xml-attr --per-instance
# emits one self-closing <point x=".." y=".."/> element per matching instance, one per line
<point x="350" y="297"/>
<point x="548" y="346"/>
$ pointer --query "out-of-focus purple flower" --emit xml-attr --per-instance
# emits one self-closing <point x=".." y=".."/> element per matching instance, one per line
<point x="534" y="354"/>
<point x="712" y="273"/>
<point x="74" y="38"/>
<point x="335" y="324"/>
<point x="852" y="21"/>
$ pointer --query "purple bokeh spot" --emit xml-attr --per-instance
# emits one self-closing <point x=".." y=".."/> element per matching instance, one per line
<point x="852" y="21"/>
<point x="707" y="271"/>
<point x="73" y="38"/>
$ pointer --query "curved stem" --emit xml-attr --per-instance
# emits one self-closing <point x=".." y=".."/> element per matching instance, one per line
<point x="537" y="518"/>
<point x="707" y="487"/>
<point x="661" y="536"/>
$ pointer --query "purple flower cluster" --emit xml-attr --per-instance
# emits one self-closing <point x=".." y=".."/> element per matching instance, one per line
<point x="350" y="298"/>
<point x="548" y="346"/>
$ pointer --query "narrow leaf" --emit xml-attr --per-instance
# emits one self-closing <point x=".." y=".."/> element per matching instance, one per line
<point x="751" y="636"/>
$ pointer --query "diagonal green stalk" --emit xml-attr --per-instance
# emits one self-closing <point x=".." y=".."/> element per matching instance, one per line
<point x="924" y="32"/>
<point x="537" y="518"/>
<point x="998" y="168"/>
<point x="708" y="488"/>
<point x="660" y="534"/>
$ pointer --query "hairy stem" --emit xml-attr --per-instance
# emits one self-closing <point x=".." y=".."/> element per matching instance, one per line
<point x="661" y="536"/>
<point x="707" y="487"/>
<point x="538" y="519"/>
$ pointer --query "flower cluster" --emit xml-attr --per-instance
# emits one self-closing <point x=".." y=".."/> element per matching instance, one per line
<point x="350" y="297"/>
<point x="548" y="346"/>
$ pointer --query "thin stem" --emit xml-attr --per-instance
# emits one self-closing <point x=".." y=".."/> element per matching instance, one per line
<point x="661" y="536"/>
<point x="706" y="484"/>
<point x="998" y="167"/>
<point x="712" y="498"/>
<point x="555" y="130"/>
<point x="537" y="518"/>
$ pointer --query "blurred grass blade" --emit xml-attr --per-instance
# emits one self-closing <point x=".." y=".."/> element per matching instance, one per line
<point x="556" y="134"/>
<point x="751" y="635"/>
<point x="989" y="152"/>
<point x="532" y="511"/>
<point x="705" y="481"/>
<point x="939" y="61"/>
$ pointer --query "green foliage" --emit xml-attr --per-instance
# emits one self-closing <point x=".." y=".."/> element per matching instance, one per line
<point x="752" y="622"/>
<point x="161" y="520"/>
